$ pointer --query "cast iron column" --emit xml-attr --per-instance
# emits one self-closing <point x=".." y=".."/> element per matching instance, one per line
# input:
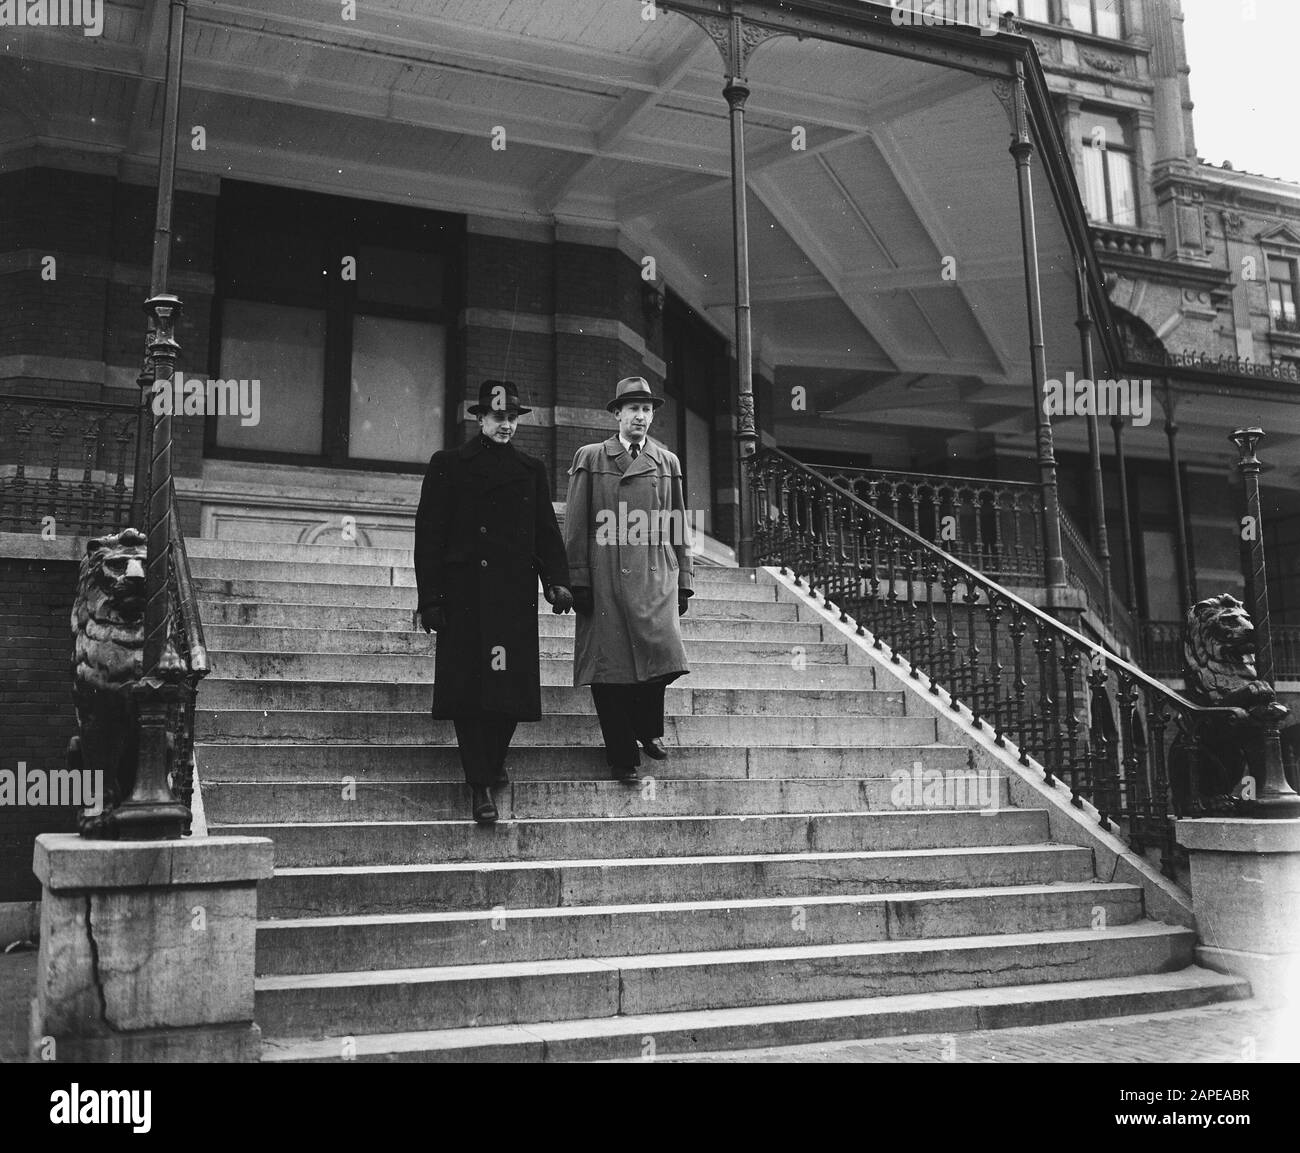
<point x="1186" y="583"/>
<point x="1256" y="570"/>
<point x="1022" y="149"/>
<point x="736" y="41"/>
<point x="736" y="92"/>
<point x="1275" y="796"/>
<point x="1102" y="539"/>
<point x="1130" y="566"/>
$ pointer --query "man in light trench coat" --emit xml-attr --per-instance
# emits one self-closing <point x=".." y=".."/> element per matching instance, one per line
<point x="631" y="572"/>
<point x="484" y="533"/>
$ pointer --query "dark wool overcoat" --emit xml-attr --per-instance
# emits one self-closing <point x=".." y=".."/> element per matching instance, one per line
<point x="484" y="533"/>
<point x="634" y="635"/>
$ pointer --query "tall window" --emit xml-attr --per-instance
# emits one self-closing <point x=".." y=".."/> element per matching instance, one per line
<point x="1101" y="17"/>
<point x="1282" y="291"/>
<point x="1108" y="184"/>
<point x="1035" y="10"/>
<point x="343" y="311"/>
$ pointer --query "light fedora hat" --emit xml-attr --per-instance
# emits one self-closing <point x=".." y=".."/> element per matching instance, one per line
<point x="633" y="388"/>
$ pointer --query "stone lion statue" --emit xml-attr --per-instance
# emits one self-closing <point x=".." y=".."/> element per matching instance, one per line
<point x="107" y="658"/>
<point x="1219" y="651"/>
<point x="1219" y="655"/>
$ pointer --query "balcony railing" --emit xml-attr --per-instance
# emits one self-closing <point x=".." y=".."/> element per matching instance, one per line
<point x="1116" y="736"/>
<point x="71" y="460"/>
<point x="995" y="526"/>
<point x="1162" y="650"/>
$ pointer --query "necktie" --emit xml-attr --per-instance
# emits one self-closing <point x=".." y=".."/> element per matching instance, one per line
<point x="636" y="451"/>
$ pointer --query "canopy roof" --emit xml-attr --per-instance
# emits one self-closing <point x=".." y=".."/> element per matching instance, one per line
<point x="886" y="255"/>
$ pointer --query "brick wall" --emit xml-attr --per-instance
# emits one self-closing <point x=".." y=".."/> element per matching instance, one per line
<point x="100" y="233"/>
<point x="36" y="716"/>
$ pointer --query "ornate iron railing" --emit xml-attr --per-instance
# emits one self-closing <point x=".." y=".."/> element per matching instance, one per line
<point x="1114" y="735"/>
<point x="991" y="525"/>
<point x="71" y="460"/>
<point x="994" y="526"/>
<point x="1162" y="649"/>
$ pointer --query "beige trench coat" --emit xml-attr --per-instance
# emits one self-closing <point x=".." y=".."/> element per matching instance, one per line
<point x="633" y="569"/>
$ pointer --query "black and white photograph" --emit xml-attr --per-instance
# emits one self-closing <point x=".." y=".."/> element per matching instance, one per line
<point x="710" y="532"/>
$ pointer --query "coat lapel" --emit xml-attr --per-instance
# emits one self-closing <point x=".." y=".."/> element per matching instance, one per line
<point x="648" y="461"/>
<point x="492" y="467"/>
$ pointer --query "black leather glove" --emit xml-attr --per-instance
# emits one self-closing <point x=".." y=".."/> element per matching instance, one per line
<point x="683" y="601"/>
<point x="561" y="600"/>
<point x="433" y="617"/>
<point x="583" y="601"/>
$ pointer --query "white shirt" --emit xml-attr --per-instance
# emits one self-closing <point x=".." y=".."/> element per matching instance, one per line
<point x="627" y="445"/>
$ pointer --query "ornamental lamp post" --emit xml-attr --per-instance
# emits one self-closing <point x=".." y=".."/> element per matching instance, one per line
<point x="1275" y="796"/>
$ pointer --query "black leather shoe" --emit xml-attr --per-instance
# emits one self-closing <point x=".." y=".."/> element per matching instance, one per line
<point x="655" y="749"/>
<point x="628" y="775"/>
<point x="485" y="812"/>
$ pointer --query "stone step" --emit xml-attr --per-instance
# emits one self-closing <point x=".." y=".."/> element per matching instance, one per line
<point x="399" y="941"/>
<point x="712" y="1030"/>
<point x="213" y="590"/>
<point x="419" y="728"/>
<point x="311" y="616"/>
<point x="557" y="670"/>
<point x="403" y="576"/>
<point x="460" y="996"/>
<point x="423" y="842"/>
<point x="417" y="697"/>
<point x="240" y="802"/>
<point x="207" y="548"/>
<point x="457" y="886"/>
<point x="248" y="638"/>
<point x="383" y="763"/>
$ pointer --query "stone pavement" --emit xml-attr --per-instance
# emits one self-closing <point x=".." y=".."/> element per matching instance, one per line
<point x="1241" y="1031"/>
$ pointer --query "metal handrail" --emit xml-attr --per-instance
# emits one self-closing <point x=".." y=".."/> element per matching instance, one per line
<point x="1149" y="682"/>
<point x="1141" y="752"/>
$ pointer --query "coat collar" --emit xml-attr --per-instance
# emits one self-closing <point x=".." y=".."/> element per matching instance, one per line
<point x="649" y="459"/>
<point x="502" y="463"/>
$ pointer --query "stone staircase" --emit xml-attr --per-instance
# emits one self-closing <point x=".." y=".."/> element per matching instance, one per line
<point x="764" y="888"/>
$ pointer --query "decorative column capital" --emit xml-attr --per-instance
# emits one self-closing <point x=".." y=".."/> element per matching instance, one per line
<point x="1247" y="442"/>
<point x="736" y="38"/>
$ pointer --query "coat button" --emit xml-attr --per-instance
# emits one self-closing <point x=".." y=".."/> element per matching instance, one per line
<point x="482" y="528"/>
<point x="627" y="572"/>
<point x="482" y="564"/>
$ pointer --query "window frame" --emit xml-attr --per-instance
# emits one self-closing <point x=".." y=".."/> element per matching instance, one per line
<point x="1124" y="149"/>
<point x="344" y="225"/>
<point x="1092" y="29"/>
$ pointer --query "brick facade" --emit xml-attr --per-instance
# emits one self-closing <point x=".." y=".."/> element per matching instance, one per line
<point x="36" y="715"/>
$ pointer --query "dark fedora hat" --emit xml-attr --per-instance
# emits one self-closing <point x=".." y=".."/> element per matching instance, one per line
<point x="498" y="396"/>
<point x="633" y="388"/>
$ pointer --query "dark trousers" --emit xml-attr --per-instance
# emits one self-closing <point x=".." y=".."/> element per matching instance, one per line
<point x="483" y="742"/>
<point x="629" y="713"/>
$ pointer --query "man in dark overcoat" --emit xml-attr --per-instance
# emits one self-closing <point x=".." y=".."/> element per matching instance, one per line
<point x="626" y="532"/>
<point x="485" y="532"/>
